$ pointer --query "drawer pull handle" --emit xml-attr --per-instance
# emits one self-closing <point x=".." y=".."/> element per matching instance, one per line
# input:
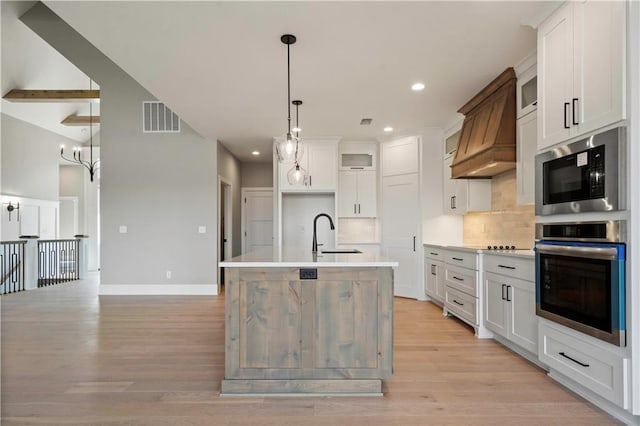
<point x="507" y="267"/>
<point x="457" y="258"/>
<point x="433" y="254"/>
<point x="457" y="278"/>
<point x="572" y="359"/>
<point x="458" y="303"/>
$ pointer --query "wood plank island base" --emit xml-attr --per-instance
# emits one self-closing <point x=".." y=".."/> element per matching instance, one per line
<point x="303" y="324"/>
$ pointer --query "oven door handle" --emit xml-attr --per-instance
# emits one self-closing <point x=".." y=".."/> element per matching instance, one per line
<point x="605" y="253"/>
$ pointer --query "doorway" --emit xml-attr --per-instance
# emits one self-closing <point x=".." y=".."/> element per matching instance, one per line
<point x="225" y="225"/>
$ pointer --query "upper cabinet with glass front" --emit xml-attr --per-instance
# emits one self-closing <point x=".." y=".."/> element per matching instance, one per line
<point x="527" y="87"/>
<point x="358" y="155"/>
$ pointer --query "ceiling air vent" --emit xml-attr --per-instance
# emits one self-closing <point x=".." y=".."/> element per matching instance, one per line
<point x="366" y="121"/>
<point x="158" y="118"/>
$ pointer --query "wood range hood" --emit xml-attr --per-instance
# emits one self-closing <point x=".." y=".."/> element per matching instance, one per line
<point x="487" y="145"/>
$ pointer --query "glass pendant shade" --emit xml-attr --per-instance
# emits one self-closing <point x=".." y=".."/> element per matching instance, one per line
<point x="290" y="150"/>
<point x="297" y="175"/>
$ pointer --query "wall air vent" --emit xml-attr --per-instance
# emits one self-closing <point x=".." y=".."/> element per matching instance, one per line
<point x="158" y="118"/>
<point x="366" y="121"/>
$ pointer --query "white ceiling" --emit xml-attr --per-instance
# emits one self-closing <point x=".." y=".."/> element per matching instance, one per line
<point x="222" y="68"/>
<point x="28" y="62"/>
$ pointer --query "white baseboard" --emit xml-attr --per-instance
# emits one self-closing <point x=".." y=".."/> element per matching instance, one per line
<point x="158" y="289"/>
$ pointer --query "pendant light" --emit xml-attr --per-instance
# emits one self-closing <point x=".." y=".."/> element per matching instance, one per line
<point x="90" y="165"/>
<point x="297" y="175"/>
<point x="288" y="148"/>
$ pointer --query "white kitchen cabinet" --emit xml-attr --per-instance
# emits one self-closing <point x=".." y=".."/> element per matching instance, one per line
<point x="509" y="300"/>
<point x="358" y="155"/>
<point x="320" y="159"/>
<point x="527" y="87"/>
<point x="464" y="195"/>
<point x="434" y="286"/>
<point x="581" y="70"/>
<point x="527" y="137"/>
<point x="357" y="193"/>
<point x="400" y="157"/>
<point x="463" y="295"/>
<point x="598" y="366"/>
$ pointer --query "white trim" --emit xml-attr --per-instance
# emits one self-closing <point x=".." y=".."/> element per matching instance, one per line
<point x="228" y="215"/>
<point x="158" y="289"/>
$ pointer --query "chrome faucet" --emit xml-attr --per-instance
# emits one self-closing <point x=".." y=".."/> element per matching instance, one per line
<point x="314" y="247"/>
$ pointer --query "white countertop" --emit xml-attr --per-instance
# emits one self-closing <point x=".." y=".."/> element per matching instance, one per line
<point x="299" y="257"/>
<point x="476" y="249"/>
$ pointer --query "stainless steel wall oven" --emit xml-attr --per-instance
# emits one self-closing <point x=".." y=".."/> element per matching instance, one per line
<point x="580" y="277"/>
<point x="584" y="176"/>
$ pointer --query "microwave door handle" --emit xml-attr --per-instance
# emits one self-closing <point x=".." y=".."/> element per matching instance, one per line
<point x="604" y="253"/>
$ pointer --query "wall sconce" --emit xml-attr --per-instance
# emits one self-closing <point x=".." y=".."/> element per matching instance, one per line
<point x="11" y="207"/>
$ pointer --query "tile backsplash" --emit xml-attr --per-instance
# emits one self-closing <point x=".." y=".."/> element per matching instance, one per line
<point x="506" y="223"/>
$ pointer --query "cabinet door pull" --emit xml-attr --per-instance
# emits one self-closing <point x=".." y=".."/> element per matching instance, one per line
<point x="414" y="243"/>
<point x="458" y="303"/>
<point x="566" y="106"/>
<point x="309" y="180"/>
<point x="506" y="267"/>
<point x="574" y="110"/>
<point x="433" y="269"/>
<point x="359" y="209"/>
<point x="502" y="295"/>
<point x="457" y="258"/>
<point x="572" y="359"/>
<point x="354" y="208"/>
<point x="454" y="202"/>
<point x="457" y="278"/>
<point x="451" y="202"/>
<point x="508" y="296"/>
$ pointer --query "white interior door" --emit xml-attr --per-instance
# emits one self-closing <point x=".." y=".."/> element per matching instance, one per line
<point x="400" y="216"/>
<point x="257" y="219"/>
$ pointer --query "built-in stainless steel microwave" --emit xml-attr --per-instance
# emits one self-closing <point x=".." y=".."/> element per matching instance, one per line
<point x="584" y="176"/>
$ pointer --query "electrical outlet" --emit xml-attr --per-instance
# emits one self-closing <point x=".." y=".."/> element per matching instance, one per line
<point x="168" y="275"/>
<point x="202" y="229"/>
<point x="483" y="228"/>
<point x="123" y="229"/>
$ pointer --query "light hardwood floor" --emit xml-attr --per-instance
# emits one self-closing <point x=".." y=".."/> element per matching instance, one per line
<point x="70" y="357"/>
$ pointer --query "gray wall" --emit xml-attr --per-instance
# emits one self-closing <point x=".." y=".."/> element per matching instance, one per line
<point x="229" y="169"/>
<point x="30" y="159"/>
<point x="161" y="186"/>
<point x="256" y="175"/>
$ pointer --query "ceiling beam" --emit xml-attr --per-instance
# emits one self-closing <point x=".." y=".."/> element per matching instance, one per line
<point x="80" y="120"/>
<point x="18" y="95"/>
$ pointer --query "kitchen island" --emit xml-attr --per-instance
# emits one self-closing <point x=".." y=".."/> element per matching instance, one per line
<point x="301" y="323"/>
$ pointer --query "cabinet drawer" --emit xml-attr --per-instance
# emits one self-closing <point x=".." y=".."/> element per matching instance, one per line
<point x="461" y="304"/>
<point x="462" y="258"/>
<point x="462" y="279"/>
<point x="435" y="253"/>
<point x="592" y="366"/>
<point x="516" y="267"/>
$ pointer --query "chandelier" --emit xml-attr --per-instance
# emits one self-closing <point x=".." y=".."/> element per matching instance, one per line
<point x="90" y="165"/>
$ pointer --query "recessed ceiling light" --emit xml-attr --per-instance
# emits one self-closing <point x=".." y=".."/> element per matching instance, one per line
<point x="388" y="129"/>
<point x="416" y="87"/>
<point x="255" y="153"/>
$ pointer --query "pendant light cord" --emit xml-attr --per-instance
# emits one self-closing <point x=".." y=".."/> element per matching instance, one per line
<point x="289" y="89"/>
<point x="90" y="125"/>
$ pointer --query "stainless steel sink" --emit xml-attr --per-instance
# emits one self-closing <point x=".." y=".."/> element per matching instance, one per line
<point x="342" y="251"/>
